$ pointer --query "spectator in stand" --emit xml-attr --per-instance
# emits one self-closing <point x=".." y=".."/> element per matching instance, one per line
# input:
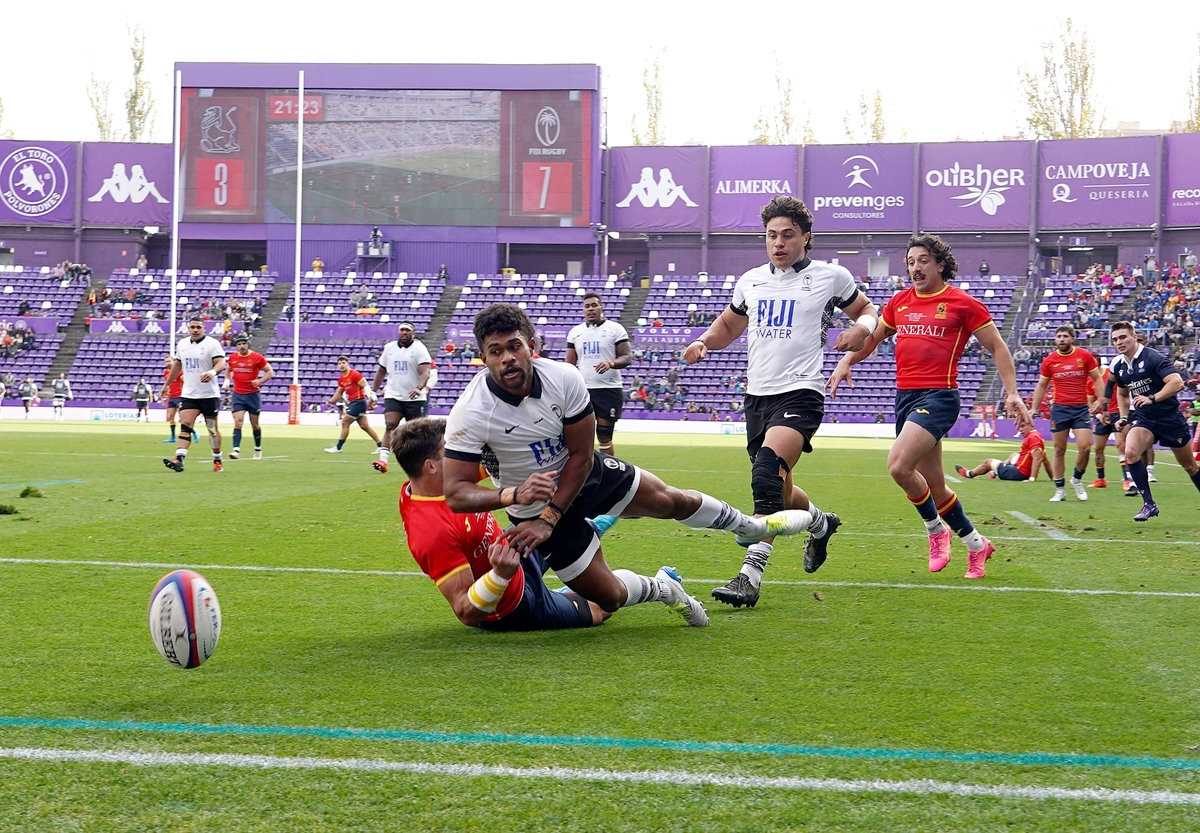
<point x="443" y="273"/>
<point x="318" y="265"/>
<point x="142" y="262"/>
<point x="23" y="307"/>
<point x="984" y="269"/>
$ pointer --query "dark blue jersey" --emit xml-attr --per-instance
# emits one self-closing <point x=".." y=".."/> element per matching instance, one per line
<point x="1145" y="375"/>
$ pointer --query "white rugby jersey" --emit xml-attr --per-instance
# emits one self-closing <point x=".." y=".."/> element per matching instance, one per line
<point x="403" y="366"/>
<point x="199" y="357"/>
<point x="597" y="343"/>
<point x="790" y="313"/>
<point x="525" y="435"/>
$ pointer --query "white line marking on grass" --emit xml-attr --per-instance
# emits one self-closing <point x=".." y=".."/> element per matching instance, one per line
<point x="882" y="585"/>
<point x="654" y="777"/>
<point x="1056" y="534"/>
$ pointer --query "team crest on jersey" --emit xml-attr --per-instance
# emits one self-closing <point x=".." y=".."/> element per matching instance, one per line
<point x="941" y="310"/>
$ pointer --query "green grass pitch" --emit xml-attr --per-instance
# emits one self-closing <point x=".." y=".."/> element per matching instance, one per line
<point x="1060" y="693"/>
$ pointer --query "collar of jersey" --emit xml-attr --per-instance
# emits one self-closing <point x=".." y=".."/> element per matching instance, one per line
<point x="1064" y="355"/>
<point x="597" y="324"/>
<point x="409" y="493"/>
<point x="931" y="294"/>
<point x="504" y="396"/>
<point x="800" y="265"/>
<point x="1136" y="353"/>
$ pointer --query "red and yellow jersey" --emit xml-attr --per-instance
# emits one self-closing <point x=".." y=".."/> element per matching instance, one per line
<point x="444" y="543"/>
<point x="245" y="370"/>
<point x="175" y="389"/>
<point x="1070" y="374"/>
<point x="1024" y="462"/>
<point x="931" y="334"/>
<point x="349" y="383"/>
<point x="1112" y="407"/>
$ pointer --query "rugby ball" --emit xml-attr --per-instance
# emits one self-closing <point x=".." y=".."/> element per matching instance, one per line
<point x="185" y="618"/>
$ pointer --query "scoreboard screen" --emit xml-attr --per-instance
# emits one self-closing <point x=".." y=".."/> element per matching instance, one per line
<point x="390" y="157"/>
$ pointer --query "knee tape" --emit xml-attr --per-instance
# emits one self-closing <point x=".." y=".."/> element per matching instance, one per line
<point x="766" y="483"/>
<point x="604" y="433"/>
<point x="185" y="432"/>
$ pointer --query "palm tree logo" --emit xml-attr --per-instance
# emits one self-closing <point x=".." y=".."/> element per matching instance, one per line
<point x="547" y="126"/>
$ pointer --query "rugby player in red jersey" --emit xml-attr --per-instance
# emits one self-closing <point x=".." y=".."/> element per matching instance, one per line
<point x="1022" y="465"/>
<point x="171" y="395"/>
<point x="352" y="387"/>
<point x="243" y="369"/>
<point x="1070" y="368"/>
<point x="932" y="321"/>
<point x="486" y="582"/>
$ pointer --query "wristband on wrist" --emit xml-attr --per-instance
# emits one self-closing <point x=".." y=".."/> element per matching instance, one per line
<point x="868" y="321"/>
<point x="550" y="515"/>
<point x="485" y="593"/>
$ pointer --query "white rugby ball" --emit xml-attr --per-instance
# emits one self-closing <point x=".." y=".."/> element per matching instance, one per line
<point x="185" y="618"/>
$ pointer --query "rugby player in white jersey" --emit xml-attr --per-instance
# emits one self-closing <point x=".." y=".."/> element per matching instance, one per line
<point x="200" y="359"/>
<point x="600" y="348"/>
<point x="406" y="363"/>
<point x="786" y="307"/>
<point x="530" y="422"/>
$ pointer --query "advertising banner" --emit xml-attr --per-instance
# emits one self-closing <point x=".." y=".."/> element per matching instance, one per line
<point x="1182" y="198"/>
<point x="37" y="182"/>
<point x="41" y="326"/>
<point x="350" y="329"/>
<point x="659" y="188"/>
<point x="976" y="186"/>
<point x="861" y="188"/>
<point x="744" y="179"/>
<point x="1098" y="183"/>
<point x="127" y="184"/>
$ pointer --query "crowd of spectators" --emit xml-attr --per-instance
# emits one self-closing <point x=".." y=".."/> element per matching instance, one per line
<point x="16" y="337"/>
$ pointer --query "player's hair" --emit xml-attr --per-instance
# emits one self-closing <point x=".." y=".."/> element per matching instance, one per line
<point x="345" y="359"/>
<point x="1122" y="325"/>
<point x="1065" y="328"/>
<point x="940" y="250"/>
<point x="195" y="318"/>
<point x="416" y="441"/>
<point x="595" y="295"/>
<point x="502" y="318"/>
<point x="795" y="210"/>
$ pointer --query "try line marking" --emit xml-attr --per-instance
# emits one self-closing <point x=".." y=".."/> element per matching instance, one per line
<point x="652" y="777"/>
<point x="882" y="585"/>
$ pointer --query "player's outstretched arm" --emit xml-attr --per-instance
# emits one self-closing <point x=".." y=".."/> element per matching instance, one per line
<point x="866" y="322"/>
<point x="841" y="373"/>
<point x="719" y="335"/>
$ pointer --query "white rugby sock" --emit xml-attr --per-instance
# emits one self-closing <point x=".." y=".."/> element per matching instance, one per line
<point x="756" y="562"/>
<point x="639" y="589"/>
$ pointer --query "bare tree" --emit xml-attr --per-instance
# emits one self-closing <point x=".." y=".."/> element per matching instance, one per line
<point x="97" y="93"/>
<point x="809" y="136"/>
<point x="1061" y="98"/>
<point x="776" y="124"/>
<point x="870" y="125"/>
<point x="652" y="85"/>
<point x="4" y="133"/>
<point x="139" y="99"/>
<point x="1192" y="125"/>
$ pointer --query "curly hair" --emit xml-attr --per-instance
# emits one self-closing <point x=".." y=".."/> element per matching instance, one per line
<point x="503" y="318"/>
<point x="795" y="210"/>
<point x="416" y="441"/>
<point x="940" y="250"/>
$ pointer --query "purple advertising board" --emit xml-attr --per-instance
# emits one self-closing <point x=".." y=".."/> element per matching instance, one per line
<point x="157" y="326"/>
<point x="1098" y="183"/>
<point x="127" y="184"/>
<point x="1182" y="198"/>
<point x="970" y="186"/>
<point x="38" y="325"/>
<point x="860" y="187"/>
<point x="658" y="188"/>
<point x="37" y="182"/>
<point x="744" y="179"/>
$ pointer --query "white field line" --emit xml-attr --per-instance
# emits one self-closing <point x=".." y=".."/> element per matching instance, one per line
<point x="880" y="585"/>
<point x="653" y="777"/>
<point x="1051" y="532"/>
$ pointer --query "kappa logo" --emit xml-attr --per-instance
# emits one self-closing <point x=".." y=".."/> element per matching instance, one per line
<point x="152" y="327"/>
<point x="132" y="187"/>
<point x="116" y="327"/>
<point x="218" y="130"/>
<point x="33" y="181"/>
<point x="662" y="193"/>
<point x="547" y="126"/>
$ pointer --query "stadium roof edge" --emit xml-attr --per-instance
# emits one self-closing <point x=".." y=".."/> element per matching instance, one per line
<point x="393" y="76"/>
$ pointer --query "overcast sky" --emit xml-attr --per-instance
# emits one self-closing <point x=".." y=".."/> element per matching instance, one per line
<point x="946" y="70"/>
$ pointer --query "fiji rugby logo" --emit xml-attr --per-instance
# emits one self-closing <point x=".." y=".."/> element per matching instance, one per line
<point x="34" y="181"/>
<point x="547" y="126"/>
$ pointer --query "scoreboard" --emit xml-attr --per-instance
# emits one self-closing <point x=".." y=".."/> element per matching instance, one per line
<point x="390" y="157"/>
